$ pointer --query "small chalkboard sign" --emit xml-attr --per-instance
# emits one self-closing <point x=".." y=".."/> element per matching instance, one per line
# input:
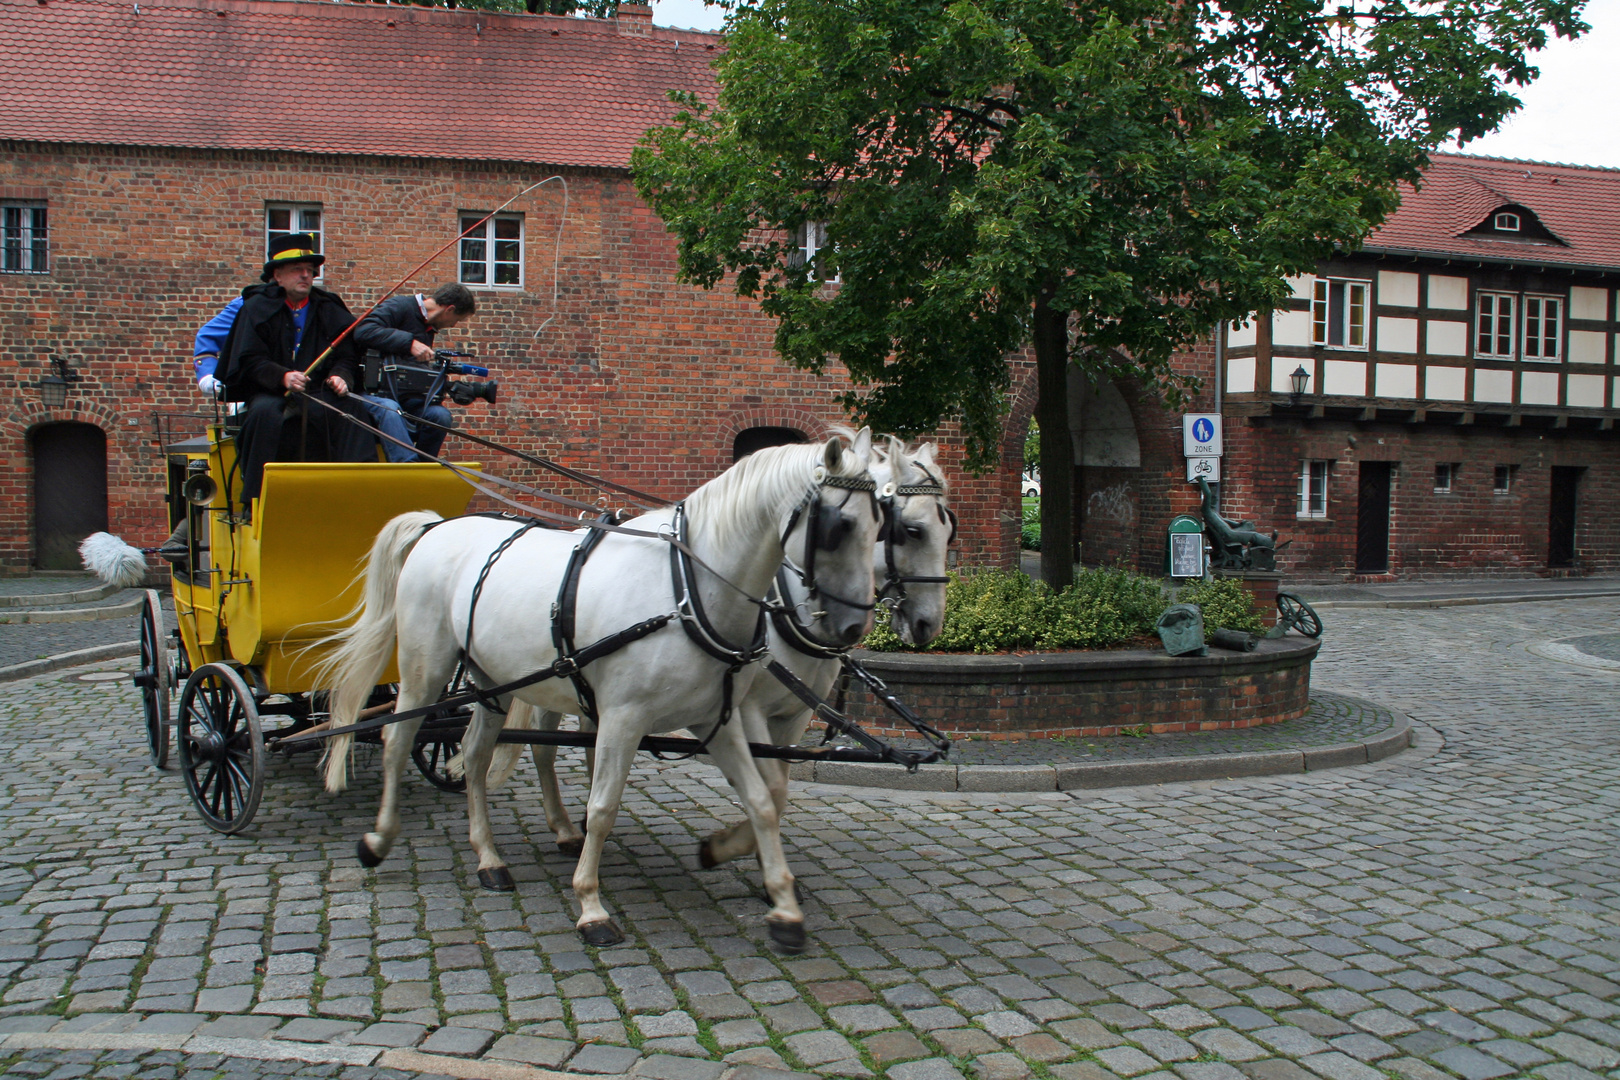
<point x="1187" y="555"/>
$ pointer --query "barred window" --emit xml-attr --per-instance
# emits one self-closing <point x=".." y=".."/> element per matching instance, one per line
<point x="1313" y="477"/>
<point x="492" y="252"/>
<point x="24" y="238"/>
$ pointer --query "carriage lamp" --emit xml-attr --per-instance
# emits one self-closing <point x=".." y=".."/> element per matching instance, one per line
<point x="53" y="388"/>
<point x="1297" y="381"/>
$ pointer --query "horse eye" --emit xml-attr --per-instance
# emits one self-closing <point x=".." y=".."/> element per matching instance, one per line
<point x="914" y="531"/>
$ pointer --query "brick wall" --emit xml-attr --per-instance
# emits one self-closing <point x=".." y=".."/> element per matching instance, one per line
<point x="615" y="369"/>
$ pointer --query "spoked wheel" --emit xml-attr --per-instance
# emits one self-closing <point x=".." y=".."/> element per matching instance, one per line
<point x="1292" y="611"/>
<point x="432" y="753"/>
<point x="221" y="747"/>
<point x="154" y="680"/>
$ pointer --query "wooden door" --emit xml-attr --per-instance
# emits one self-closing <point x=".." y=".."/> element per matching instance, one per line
<point x="70" y="491"/>
<point x="1372" y="518"/>
<point x="1561" y="516"/>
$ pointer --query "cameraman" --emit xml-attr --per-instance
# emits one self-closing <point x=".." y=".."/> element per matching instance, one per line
<point x="405" y="326"/>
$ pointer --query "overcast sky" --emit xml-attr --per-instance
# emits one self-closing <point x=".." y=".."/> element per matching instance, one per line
<point x="1566" y="115"/>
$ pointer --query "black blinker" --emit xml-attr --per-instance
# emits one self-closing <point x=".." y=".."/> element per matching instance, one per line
<point x="831" y="528"/>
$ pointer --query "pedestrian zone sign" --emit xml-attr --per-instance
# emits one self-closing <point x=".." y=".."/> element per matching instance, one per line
<point x="1201" y="435"/>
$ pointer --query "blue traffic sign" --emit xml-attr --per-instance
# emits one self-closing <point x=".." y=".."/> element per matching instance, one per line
<point x="1203" y="430"/>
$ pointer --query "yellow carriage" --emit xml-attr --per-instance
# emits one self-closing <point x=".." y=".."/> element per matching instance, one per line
<point x="253" y="602"/>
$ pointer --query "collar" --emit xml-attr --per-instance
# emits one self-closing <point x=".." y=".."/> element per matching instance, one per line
<point x="421" y="306"/>
<point x="298" y="306"/>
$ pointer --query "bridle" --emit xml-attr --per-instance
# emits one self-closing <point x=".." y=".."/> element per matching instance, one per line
<point x="893" y="534"/>
<point x="825" y="529"/>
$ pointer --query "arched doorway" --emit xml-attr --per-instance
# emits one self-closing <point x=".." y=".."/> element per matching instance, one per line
<point x="1108" y="465"/>
<point x="70" y="491"/>
<point x="758" y="438"/>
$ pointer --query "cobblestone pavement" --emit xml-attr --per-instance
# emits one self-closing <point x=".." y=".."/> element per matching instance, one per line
<point x="1451" y="911"/>
<point x="22" y="642"/>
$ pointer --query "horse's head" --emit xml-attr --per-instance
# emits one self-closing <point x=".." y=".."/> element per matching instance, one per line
<point x="918" y="527"/>
<point x="830" y="535"/>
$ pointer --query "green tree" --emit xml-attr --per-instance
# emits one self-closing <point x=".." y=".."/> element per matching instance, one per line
<point x="1106" y="181"/>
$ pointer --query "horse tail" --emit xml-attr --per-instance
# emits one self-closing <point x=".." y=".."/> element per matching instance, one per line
<point x="361" y="651"/>
<point x="520" y="716"/>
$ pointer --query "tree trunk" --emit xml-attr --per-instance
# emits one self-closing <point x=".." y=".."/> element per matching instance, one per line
<point x="1057" y="450"/>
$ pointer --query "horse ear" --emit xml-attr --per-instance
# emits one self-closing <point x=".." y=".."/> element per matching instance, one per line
<point x="863" y="444"/>
<point x="832" y="454"/>
<point x="897" y="450"/>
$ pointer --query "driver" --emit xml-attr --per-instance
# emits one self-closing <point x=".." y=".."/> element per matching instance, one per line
<point x="282" y="327"/>
<point x="405" y="326"/>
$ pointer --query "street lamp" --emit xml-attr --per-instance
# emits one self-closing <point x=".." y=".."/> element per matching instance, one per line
<point x="1298" y="381"/>
<point x="53" y="388"/>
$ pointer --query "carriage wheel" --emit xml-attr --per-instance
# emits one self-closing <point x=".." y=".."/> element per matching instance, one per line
<point x="154" y="679"/>
<point x="432" y="756"/>
<point x="1292" y="611"/>
<point x="221" y="747"/>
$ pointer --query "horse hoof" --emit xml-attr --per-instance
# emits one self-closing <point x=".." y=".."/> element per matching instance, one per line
<point x="572" y="847"/>
<point x="496" y="879"/>
<point x="788" y="937"/>
<point x="602" y="933"/>
<point x="366" y="855"/>
<point x="706" y="857"/>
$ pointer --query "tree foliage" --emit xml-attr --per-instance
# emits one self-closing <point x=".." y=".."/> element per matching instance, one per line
<point x="1129" y="171"/>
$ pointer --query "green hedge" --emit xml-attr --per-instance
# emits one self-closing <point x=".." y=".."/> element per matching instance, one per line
<point x="1004" y="610"/>
<point x="1030" y="540"/>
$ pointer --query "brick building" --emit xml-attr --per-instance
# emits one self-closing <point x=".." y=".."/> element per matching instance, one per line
<point x="1459" y="406"/>
<point x="151" y="149"/>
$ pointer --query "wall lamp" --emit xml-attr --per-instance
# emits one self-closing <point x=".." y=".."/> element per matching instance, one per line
<point x="1298" y="381"/>
<point x="53" y="388"/>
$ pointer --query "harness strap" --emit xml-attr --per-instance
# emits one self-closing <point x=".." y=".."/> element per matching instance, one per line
<point x="689" y="603"/>
<point x="882" y="692"/>
<point x="562" y="666"/>
<point x="483" y="575"/>
<point x="839" y="724"/>
<point x="793" y="632"/>
<point x="563" y="612"/>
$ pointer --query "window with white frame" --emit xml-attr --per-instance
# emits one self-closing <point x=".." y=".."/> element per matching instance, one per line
<point x="1339" y="313"/>
<point x="1542" y="316"/>
<point x="1313" y="499"/>
<point x="281" y="218"/>
<point x="1445" y="474"/>
<point x="1493" y="335"/>
<point x="1507" y="222"/>
<point x="1502" y="481"/>
<point x="24" y="238"/>
<point x="812" y="239"/>
<point x="492" y="251"/>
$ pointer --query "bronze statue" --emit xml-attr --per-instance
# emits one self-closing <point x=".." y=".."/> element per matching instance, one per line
<point x="1235" y="545"/>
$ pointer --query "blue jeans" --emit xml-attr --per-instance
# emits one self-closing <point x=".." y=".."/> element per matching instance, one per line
<point x="388" y="418"/>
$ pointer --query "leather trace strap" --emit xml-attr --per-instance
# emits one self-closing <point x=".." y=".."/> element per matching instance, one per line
<point x="794" y="631"/>
<point x="893" y="590"/>
<point x="563" y="611"/>
<point x="694" y="618"/>
<point x="837" y="724"/>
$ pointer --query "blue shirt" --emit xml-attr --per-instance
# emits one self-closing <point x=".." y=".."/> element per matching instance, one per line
<point x="211" y="338"/>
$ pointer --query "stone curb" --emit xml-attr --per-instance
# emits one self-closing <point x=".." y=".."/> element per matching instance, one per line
<point x="90" y="614"/>
<point x="80" y="596"/>
<point x="1081" y="776"/>
<point x="49" y="664"/>
<point x="1458" y="601"/>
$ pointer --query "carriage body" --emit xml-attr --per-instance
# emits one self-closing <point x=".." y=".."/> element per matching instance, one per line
<point x="254" y="600"/>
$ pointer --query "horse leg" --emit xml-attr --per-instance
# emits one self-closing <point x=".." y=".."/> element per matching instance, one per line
<point x="737" y="839"/>
<point x="397" y="742"/>
<point x="729" y="750"/>
<point x="569" y="838"/>
<point x="477" y="748"/>
<point x="612" y="769"/>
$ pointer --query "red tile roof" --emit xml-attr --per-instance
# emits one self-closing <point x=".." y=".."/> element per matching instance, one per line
<point x="1579" y="205"/>
<point x="341" y="78"/>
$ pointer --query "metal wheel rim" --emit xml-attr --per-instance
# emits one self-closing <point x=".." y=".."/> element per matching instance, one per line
<point x="1298" y="613"/>
<point x="226" y="792"/>
<point x="431" y="757"/>
<point x="155" y="677"/>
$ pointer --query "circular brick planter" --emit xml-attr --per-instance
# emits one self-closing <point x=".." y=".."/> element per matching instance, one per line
<point x="1070" y="694"/>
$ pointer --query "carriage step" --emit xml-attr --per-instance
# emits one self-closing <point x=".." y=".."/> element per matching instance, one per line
<point x="119" y="609"/>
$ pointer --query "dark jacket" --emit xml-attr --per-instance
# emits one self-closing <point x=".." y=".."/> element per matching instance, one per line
<point x="393" y="326"/>
<point x="261" y="344"/>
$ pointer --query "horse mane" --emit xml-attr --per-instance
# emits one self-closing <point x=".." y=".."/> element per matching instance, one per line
<point x="765" y="483"/>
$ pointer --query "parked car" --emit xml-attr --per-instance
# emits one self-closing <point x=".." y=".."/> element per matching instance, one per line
<point x="1032" y="484"/>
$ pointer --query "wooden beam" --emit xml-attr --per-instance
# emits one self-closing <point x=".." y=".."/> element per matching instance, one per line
<point x="1514" y="420"/>
<point x="1318" y="411"/>
<point x="1368" y="413"/>
<point x="1465" y="419"/>
<point x="1561" y="422"/>
<point x="1606" y="424"/>
<point x="1417" y="416"/>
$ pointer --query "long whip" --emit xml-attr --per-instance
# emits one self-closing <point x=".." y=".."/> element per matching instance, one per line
<point x="418" y="268"/>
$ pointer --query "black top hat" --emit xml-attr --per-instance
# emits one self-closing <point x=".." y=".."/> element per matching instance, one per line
<point x="291" y="248"/>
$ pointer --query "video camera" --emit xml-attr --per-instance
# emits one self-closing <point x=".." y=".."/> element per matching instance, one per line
<point x="398" y="378"/>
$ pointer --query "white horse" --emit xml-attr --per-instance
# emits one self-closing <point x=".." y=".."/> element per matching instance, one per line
<point x="420" y="587"/>
<point x="910" y="561"/>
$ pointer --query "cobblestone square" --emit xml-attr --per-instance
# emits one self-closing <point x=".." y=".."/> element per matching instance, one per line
<point x="1448" y="911"/>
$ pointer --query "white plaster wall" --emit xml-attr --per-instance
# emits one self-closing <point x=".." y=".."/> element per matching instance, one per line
<point x="1302" y="287"/>
<point x="1445" y="383"/>
<point x="1447" y="338"/>
<point x="1587" y="346"/>
<point x="1347" y="378"/>
<point x="1588" y="303"/>
<point x="1539" y="388"/>
<point x="1238" y="337"/>
<point x="1397" y="289"/>
<point x="1585" y="391"/>
<point x="1240" y="375"/>
<point x="1450" y="293"/>
<point x="1396" y="380"/>
<point x="1491" y="384"/>
<point x="1397" y="335"/>
<point x="1283" y="366"/>
<point x="1290" y="328"/>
